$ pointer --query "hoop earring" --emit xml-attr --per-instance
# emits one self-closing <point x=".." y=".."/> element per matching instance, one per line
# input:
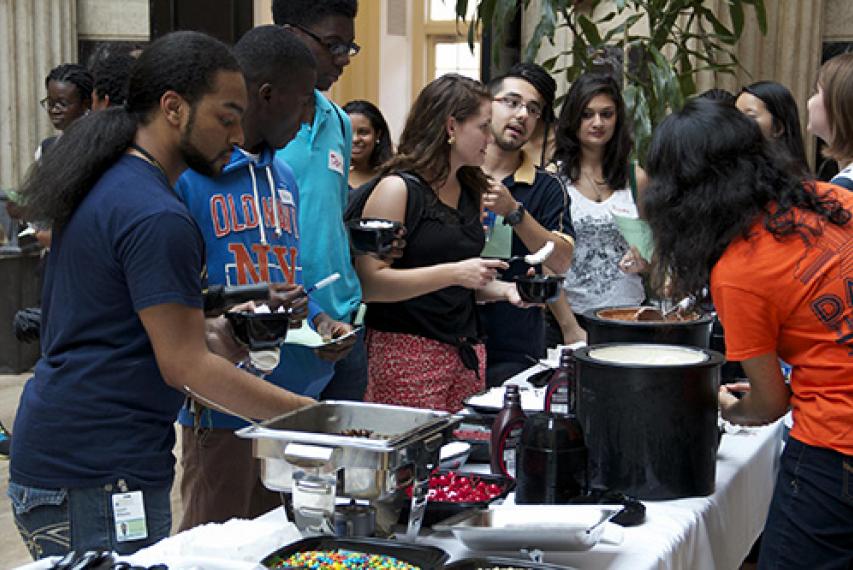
<point x="451" y="140"/>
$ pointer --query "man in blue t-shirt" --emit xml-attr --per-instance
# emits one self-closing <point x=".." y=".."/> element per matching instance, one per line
<point x="529" y="200"/>
<point x="320" y="158"/>
<point x="123" y="331"/>
<point x="248" y="216"/>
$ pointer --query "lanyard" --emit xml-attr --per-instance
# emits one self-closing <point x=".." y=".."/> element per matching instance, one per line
<point x="150" y="158"/>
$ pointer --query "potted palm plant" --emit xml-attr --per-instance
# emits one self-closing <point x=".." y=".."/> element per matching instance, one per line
<point x="659" y="46"/>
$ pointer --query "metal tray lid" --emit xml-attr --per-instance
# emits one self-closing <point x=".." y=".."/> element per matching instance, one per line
<point x="491" y="562"/>
<point x="323" y="423"/>
<point x="546" y="527"/>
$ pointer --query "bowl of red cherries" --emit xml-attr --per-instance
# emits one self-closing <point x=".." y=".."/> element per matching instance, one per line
<point x="451" y="492"/>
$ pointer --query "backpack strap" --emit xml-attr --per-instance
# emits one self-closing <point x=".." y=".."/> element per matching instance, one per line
<point x="632" y="180"/>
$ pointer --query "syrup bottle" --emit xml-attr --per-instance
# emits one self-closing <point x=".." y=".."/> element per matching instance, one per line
<point x="506" y="432"/>
<point x="557" y="394"/>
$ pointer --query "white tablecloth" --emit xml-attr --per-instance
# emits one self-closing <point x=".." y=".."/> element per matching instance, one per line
<point x="704" y="533"/>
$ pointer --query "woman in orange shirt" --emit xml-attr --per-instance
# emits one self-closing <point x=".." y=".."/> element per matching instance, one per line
<point x="778" y="253"/>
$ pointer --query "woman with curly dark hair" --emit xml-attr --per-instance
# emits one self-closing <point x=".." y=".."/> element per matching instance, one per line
<point x="778" y="253"/>
<point x="371" y="141"/>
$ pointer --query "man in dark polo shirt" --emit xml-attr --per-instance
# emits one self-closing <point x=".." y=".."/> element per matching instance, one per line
<point x="532" y="203"/>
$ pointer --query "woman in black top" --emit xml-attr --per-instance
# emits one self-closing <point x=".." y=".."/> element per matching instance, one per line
<point x="423" y="341"/>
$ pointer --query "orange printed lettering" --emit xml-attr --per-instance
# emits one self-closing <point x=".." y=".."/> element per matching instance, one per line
<point x="219" y="215"/>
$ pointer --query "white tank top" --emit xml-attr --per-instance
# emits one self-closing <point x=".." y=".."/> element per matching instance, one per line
<point x="594" y="279"/>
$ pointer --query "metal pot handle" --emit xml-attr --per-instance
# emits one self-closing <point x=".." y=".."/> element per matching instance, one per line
<point x="314" y="485"/>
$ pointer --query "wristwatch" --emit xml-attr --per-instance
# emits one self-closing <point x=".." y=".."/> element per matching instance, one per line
<point x="515" y="217"/>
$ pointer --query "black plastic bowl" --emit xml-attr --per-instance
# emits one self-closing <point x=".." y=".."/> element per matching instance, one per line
<point x="260" y="331"/>
<point x="425" y="557"/>
<point x="368" y="239"/>
<point x="538" y="288"/>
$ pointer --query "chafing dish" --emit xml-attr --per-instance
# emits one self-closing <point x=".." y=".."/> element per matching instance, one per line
<point x="307" y="453"/>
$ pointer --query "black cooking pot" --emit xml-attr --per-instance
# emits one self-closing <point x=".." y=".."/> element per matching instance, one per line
<point x="651" y="429"/>
<point x="611" y="324"/>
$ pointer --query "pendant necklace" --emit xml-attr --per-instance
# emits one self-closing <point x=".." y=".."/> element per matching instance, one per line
<point x="594" y="186"/>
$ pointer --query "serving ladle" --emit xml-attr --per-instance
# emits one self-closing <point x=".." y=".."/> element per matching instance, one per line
<point x="537" y="257"/>
<point x="655" y="314"/>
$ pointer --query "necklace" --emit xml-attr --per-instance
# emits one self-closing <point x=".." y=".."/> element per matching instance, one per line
<point x="595" y="186"/>
<point x="150" y="158"/>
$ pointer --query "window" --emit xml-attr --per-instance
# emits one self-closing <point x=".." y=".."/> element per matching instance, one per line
<point x="442" y="46"/>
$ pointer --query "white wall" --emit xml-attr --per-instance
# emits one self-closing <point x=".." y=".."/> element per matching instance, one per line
<point x="108" y="20"/>
<point x="395" y="76"/>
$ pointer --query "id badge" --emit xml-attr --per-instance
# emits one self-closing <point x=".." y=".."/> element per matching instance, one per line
<point x="129" y="516"/>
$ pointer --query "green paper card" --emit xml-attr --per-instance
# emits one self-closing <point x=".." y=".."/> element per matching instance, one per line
<point x="637" y="233"/>
<point x="499" y="242"/>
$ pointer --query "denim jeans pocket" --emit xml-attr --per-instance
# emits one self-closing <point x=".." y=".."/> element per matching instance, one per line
<point x="24" y="499"/>
<point x="847" y="480"/>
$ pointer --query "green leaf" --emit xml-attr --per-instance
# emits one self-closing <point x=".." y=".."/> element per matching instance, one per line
<point x="589" y="30"/>
<point x="461" y="9"/>
<point x="722" y="32"/>
<point x="688" y="85"/>
<point x="544" y="29"/>
<point x="619" y="30"/>
<point x="606" y="18"/>
<point x="736" y="13"/>
<point x="550" y="63"/>
<point x="504" y="12"/>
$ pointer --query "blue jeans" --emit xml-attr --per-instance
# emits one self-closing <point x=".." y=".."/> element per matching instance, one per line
<point x="810" y="524"/>
<point x="53" y="522"/>
<point x="350" y="378"/>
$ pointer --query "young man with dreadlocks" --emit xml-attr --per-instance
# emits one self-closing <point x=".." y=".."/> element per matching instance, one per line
<point x="123" y="331"/>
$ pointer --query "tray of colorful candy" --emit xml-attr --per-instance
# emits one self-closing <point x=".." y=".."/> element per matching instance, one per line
<point x="330" y="552"/>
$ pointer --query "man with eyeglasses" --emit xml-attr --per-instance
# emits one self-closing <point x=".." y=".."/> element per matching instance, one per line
<point x="320" y="157"/>
<point x="530" y="205"/>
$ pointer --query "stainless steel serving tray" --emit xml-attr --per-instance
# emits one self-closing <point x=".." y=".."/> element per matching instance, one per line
<point x="369" y="468"/>
<point x="323" y="422"/>
<point x="545" y="527"/>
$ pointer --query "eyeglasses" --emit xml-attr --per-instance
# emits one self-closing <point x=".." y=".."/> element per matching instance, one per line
<point x="514" y="105"/>
<point x="337" y="49"/>
<point x="47" y="104"/>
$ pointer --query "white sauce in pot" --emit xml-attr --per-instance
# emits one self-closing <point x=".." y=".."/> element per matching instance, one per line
<point x="648" y="355"/>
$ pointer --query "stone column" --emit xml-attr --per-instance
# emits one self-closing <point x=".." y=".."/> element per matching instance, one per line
<point x="36" y="36"/>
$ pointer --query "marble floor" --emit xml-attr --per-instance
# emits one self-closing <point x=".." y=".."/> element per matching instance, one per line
<point x="12" y="550"/>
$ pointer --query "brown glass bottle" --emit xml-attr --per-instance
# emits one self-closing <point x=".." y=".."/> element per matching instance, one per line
<point x="506" y="432"/>
<point x="558" y="393"/>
